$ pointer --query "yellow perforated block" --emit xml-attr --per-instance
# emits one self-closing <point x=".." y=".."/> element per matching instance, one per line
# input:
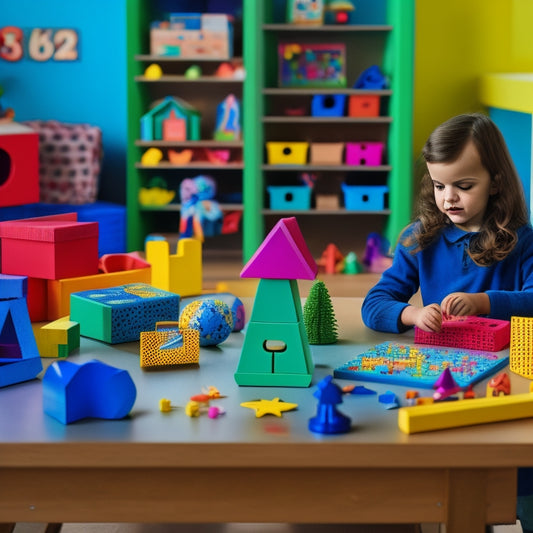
<point x="153" y="356"/>
<point x="180" y="273"/>
<point x="59" y="290"/>
<point x="521" y="346"/>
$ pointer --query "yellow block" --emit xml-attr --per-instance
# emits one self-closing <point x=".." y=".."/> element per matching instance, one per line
<point x="512" y="91"/>
<point x="59" y="290"/>
<point x="442" y="415"/>
<point x="180" y="273"/>
<point x="52" y="334"/>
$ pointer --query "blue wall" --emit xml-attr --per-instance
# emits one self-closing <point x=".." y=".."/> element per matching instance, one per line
<point x="90" y="90"/>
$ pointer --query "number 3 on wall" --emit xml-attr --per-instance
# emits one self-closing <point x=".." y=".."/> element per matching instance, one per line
<point x="62" y="45"/>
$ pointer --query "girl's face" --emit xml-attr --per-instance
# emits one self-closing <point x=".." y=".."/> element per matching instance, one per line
<point x="462" y="188"/>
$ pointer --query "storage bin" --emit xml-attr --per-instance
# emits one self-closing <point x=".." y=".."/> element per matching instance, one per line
<point x="328" y="105"/>
<point x="364" y="105"/>
<point x="364" y="198"/>
<point x="69" y="157"/>
<point x="326" y="153"/>
<point x="364" y="153"/>
<point x="287" y="153"/>
<point x="290" y="197"/>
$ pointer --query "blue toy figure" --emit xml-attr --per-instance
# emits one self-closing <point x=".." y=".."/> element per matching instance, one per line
<point x="328" y="420"/>
<point x="228" y="120"/>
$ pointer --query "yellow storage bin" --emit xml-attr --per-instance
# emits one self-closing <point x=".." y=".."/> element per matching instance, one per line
<point x="287" y="153"/>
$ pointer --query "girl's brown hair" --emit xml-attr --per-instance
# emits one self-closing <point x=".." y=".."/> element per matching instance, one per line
<point x="506" y="210"/>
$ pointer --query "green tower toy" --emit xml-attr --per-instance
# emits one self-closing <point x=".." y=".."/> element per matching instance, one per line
<point x="276" y="349"/>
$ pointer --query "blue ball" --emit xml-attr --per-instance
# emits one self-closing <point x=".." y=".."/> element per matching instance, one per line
<point x="212" y="318"/>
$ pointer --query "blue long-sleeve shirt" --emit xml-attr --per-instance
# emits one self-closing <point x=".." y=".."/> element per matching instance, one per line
<point x="445" y="267"/>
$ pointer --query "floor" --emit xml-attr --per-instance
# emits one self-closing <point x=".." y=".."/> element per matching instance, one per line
<point x="221" y="271"/>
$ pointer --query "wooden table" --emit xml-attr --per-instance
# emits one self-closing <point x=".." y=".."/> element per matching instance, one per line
<point x="157" y="467"/>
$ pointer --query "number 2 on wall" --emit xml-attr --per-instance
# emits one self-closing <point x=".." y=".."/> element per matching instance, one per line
<point x="62" y="45"/>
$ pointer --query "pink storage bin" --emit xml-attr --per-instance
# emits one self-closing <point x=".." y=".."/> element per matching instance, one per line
<point x="365" y="153"/>
<point x="470" y="332"/>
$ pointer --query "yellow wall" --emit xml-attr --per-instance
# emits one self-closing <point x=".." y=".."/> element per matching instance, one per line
<point x="456" y="42"/>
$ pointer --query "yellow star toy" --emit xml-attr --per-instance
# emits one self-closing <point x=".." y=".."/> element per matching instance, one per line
<point x="269" y="407"/>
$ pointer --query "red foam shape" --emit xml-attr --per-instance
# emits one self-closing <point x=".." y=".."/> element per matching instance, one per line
<point x="282" y="255"/>
<point x="470" y="332"/>
<point x="121" y="262"/>
<point x="19" y="165"/>
<point x="51" y="247"/>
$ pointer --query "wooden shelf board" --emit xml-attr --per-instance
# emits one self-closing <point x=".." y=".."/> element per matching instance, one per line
<point x="177" y="207"/>
<point x="327" y="27"/>
<point x="170" y="59"/>
<point x="190" y="144"/>
<point x="326" y="120"/>
<point x="302" y="91"/>
<point x="168" y="78"/>
<point x="339" y="211"/>
<point x="326" y="168"/>
<point x="201" y="165"/>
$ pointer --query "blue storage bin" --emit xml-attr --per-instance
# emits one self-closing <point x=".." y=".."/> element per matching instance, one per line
<point x="290" y="197"/>
<point x="328" y="105"/>
<point x="364" y="198"/>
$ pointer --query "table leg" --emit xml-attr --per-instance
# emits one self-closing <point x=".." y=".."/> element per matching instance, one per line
<point x="7" y="528"/>
<point x="53" y="528"/>
<point x="466" y="512"/>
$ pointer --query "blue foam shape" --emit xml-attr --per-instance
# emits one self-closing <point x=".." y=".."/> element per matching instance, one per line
<point x="88" y="390"/>
<point x="467" y="366"/>
<point x="232" y="301"/>
<point x="13" y="286"/>
<point x="362" y="390"/>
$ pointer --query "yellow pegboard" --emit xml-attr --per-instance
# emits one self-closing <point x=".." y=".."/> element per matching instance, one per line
<point x="521" y="348"/>
<point x="153" y="356"/>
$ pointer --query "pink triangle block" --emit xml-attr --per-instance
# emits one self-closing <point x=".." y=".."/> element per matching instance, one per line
<point x="282" y="255"/>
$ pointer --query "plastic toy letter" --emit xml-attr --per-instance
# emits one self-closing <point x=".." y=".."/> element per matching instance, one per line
<point x="88" y="390"/>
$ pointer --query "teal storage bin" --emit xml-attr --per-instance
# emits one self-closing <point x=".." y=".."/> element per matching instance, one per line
<point x="290" y="197"/>
<point x="364" y="198"/>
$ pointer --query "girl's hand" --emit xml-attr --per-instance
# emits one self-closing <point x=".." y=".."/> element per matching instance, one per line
<point x="465" y="304"/>
<point x="428" y="318"/>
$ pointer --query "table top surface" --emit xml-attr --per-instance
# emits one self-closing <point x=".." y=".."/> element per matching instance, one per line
<point x="149" y="437"/>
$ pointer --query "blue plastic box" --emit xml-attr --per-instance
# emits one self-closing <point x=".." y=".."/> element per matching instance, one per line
<point x="364" y="198"/>
<point x="290" y="197"/>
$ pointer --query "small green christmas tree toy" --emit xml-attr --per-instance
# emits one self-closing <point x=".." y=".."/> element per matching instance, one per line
<point x="319" y="316"/>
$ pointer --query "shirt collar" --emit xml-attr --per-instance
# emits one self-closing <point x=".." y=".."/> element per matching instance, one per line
<point x="454" y="234"/>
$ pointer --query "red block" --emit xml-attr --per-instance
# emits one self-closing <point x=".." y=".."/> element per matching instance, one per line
<point x="19" y="165"/>
<point x="53" y="247"/>
<point x="37" y="299"/>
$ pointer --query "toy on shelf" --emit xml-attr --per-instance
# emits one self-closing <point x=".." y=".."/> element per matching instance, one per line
<point x="193" y="72"/>
<point x="371" y="78"/>
<point x="6" y="114"/>
<point x="94" y="389"/>
<point x="171" y="119"/>
<point x="152" y="157"/>
<point x="305" y="12"/>
<point x="180" y="272"/>
<point x="276" y="350"/>
<point x="153" y="72"/>
<point x="312" y="65"/>
<point x="228" y="120"/>
<point x="476" y="333"/>
<point x="201" y="215"/>
<point x="376" y="257"/>
<point x="351" y="264"/>
<point x="319" y="315"/>
<point x="156" y="193"/>
<point x="168" y="345"/>
<point x="269" y="407"/>
<point x="331" y="260"/>
<point x="470" y="412"/>
<point x="521" y="346"/>
<point x="120" y="314"/>
<point x="340" y="10"/>
<point x="328" y="419"/>
<point x="211" y="317"/>
<point x="19" y="355"/>
<point x="233" y="70"/>
<point x="445" y="386"/>
<point x="193" y="36"/>
<point x="420" y="366"/>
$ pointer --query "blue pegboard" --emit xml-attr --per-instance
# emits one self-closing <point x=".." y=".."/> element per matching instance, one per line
<point x="420" y="366"/>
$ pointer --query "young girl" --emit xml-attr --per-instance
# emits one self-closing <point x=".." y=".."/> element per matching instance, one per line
<point x="470" y="249"/>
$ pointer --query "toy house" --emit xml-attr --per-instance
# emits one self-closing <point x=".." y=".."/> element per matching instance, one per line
<point x="172" y="119"/>
<point x="19" y="165"/>
<point x="276" y="350"/>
